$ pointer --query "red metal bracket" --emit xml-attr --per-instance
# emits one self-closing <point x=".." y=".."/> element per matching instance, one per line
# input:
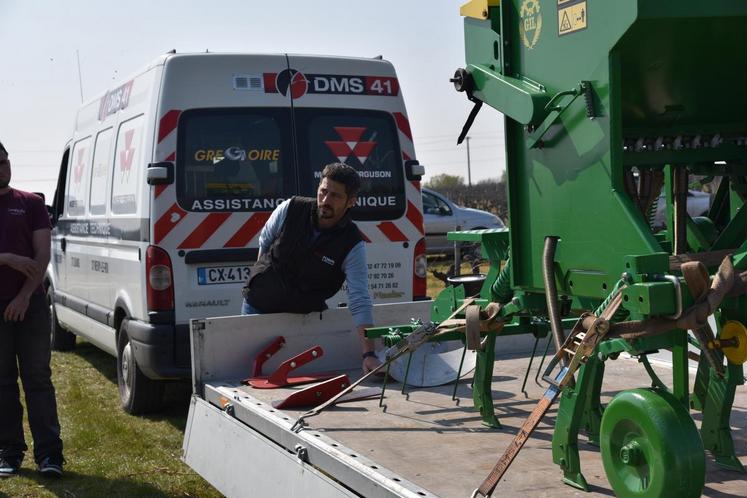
<point x="280" y="377"/>
<point x="314" y="395"/>
<point x="266" y="354"/>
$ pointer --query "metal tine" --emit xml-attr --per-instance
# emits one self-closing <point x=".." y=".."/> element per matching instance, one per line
<point x="407" y="372"/>
<point x="383" y="388"/>
<point x="544" y="356"/>
<point x="529" y="367"/>
<point x="459" y="374"/>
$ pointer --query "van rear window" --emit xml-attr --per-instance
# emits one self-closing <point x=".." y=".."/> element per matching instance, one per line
<point x="234" y="159"/>
<point x="367" y="141"/>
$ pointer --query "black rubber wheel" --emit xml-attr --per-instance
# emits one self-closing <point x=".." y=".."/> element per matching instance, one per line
<point x="60" y="338"/>
<point x="137" y="393"/>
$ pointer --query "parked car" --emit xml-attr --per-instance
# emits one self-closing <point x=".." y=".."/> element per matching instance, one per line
<point x="698" y="204"/>
<point x="440" y="216"/>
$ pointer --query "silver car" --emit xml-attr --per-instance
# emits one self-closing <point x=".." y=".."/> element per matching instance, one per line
<point x="441" y="216"/>
<point x="698" y="204"/>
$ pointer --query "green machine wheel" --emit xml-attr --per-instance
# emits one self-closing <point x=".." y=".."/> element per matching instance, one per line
<point x="651" y="447"/>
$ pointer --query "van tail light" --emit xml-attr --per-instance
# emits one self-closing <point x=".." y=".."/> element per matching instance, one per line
<point x="420" y="271"/>
<point x="160" y="281"/>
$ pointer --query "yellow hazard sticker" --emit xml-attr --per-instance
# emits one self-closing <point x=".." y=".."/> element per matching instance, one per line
<point x="571" y="18"/>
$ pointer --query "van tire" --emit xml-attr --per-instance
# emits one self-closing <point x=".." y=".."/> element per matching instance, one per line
<point x="60" y="338"/>
<point x="137" y="393"/>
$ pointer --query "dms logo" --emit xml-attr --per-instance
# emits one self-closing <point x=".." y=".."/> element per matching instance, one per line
<point x="297" y="84"/>
<point x="290" y="80"/>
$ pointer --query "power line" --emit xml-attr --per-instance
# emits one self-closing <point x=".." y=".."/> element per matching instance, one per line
<point x="455" y="148"/>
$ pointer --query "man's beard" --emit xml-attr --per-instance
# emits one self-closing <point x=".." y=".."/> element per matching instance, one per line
<point x="326" y="212"/>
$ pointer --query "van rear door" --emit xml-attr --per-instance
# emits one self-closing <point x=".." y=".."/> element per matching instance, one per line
<point x="231" y="140"/>
<point x="352" y="111"/>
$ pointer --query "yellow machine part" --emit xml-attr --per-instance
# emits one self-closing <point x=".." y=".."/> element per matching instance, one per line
<point x="734" y="330"/>
<point x="478" y="8"/>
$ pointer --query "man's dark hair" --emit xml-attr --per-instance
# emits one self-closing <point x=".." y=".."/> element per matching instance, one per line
<point x="3" y="149"/>
<point x="342" y="173"/>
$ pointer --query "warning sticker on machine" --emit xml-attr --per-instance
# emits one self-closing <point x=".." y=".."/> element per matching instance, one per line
<point x="572" y="16"/>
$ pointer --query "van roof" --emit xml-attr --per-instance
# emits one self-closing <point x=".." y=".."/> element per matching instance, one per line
<point x="162" y="60"/>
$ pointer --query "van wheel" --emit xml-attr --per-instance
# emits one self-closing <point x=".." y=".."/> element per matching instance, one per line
<point x="60" y="338"/>
<point x="137" y="393"/>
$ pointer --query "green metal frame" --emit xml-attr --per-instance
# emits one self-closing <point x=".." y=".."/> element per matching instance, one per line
<point x="649" y="72"/>
<point x="583" y="112"/>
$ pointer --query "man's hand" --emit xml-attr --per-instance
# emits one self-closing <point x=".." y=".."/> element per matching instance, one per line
<point x="16" y="309"/>
<point x="25" y="265"/>
<point x="370" y="363"/>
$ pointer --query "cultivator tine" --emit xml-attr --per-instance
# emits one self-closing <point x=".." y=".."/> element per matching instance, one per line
<point x="407" y="372"/>
<point x="383" y="387"/>
<point x="529" y="367"/>
<point x="582" y="345"/>
<point x="531" y="423"/>
<point x="459" y="374"/>
<point x="544" y="356"/>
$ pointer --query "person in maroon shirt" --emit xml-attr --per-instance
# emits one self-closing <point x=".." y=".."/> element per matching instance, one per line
<point x="24" y="331"/>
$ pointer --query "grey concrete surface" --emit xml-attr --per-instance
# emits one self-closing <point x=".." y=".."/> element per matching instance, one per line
<point x="441" y="444"/>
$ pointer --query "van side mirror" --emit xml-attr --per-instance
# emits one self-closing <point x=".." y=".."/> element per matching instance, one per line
<point x="414" y="171"/>
<point x="160" y="173"/>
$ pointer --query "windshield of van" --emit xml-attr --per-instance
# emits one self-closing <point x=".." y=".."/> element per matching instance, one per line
<point x="234" y="159"/>
<point x="367" y="141"/>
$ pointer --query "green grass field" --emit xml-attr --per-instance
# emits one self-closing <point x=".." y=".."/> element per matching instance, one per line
<point x="110" y="453"/>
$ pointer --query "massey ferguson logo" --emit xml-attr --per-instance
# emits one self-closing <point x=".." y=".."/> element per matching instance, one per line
<point x="298" y="84"/>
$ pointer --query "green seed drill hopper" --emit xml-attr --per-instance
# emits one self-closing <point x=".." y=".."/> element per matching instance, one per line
<point x="611" y="108"/>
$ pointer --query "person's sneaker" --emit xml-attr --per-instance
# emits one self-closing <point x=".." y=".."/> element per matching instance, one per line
<point x="9" y="466"/>
<point x="51" y="466"/>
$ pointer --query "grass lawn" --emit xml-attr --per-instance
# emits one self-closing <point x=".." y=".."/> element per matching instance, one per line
<point x="441" y="264"/>
<point x="110" y="453"/>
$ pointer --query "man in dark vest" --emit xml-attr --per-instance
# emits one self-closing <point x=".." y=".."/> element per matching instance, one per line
<point x="307" y="249"/>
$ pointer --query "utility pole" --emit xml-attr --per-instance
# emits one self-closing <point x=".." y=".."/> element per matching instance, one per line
<point x="469" y="172"/>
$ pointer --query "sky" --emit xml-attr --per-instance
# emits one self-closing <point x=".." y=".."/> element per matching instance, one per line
<point x="41" y="42"/>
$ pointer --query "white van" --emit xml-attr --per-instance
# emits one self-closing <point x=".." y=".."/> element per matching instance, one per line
<point x="171" y="174"/>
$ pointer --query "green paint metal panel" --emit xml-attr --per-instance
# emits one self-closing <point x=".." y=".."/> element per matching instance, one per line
<point x="594" y="93"/>
<point x="652" y="70"/>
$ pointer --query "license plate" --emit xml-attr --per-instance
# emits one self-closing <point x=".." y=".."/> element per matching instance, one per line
<point x="222" y="275"/>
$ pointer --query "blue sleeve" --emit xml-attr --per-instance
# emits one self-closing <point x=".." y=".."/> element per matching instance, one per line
<point x="356" y="276"/>
<point x="274" y="225"/>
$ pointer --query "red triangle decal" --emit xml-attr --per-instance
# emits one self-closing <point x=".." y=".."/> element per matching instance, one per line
<point x="350" y="133"/>
<point x="338" y="149"/>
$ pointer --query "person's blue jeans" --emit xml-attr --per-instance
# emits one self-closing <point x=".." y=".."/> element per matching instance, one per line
<point x="27" y="343"/>
<point x="248" y="309"/>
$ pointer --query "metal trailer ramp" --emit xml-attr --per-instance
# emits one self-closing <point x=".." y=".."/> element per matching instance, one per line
<point x="243" y="446"/>
<point x="423" y="444"/>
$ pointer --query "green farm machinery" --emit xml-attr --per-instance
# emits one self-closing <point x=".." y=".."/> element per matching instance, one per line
<point x="613" y="109"/>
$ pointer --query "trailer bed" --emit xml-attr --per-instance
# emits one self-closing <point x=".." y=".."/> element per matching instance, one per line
<point x="425" y="444"/>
